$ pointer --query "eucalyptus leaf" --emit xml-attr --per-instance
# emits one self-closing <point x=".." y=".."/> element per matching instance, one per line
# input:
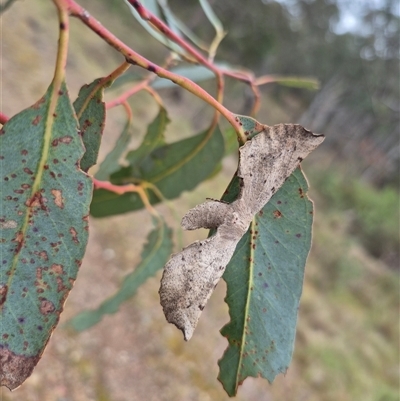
<point x="91" y="112"/>
<point x="264" y="284"/>
<point x="44" y="207"/>
<point x="171" y="168"/>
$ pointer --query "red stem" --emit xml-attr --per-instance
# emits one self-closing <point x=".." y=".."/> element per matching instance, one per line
<point x="134" y="58"/>
<point x="165" y="30"/>
<point x="126" y="95"/>
<point x="118" y="189"/>
<point x="3" y="118"/>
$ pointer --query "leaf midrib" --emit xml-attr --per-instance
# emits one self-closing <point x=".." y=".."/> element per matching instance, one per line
<point x="184" y="160"/>
<point x="56" y="87"/>
<point x="247" y="307"/>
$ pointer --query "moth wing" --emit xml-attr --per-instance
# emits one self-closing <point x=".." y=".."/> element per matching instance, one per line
<point x="269" y="158"/>
<point x="189" y="279"/>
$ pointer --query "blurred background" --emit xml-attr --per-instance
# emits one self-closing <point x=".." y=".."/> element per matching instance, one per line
<point x="347" y="345"/>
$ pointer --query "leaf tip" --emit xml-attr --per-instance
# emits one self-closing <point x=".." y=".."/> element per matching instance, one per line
<point x="14" y="368"/>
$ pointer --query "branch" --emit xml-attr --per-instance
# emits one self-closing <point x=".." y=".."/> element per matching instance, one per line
<point x="136" y="59"/>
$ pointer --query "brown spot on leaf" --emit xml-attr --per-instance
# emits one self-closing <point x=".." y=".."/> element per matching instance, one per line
<point x="46" y="307"/>
<point x="19" y="238"/>
<point x="60" y="284"/>
<point x="87" y="123"/>
<point x="28" y="171"/>
<point x="301" y="193"/>
<point x="8" y="224"/>
<point x="38" y="103"/>
<point x="39" y="273"/>
<point x="65" y="139"/>
<point x="36" y="200"/>
<point x="74" y="235"/>
<point x="3" y="293"/>
<point x="58" y="199"/>
<point x="14" y="368"/>
<point x="36" y="121"/>
<point x="57" y="269"/>
<point x="277" y="214"/>
<point x="43" y="255"/>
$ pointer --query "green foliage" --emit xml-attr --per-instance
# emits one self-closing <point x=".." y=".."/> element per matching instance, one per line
<point x="373" y="213"/>
<point x="171" y="168"/>
<point x="44" y="212"/>
<point x="264" y="280"/>
<point x="154" y="256"/>
<point x="110" y="164"/>
<point x="91" y="112"/>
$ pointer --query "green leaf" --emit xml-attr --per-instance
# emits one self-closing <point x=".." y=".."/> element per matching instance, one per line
<point x="195" y="73"/>
<point x="264" y="284"/>
<point x="216" y="23"/>
<point x="293" y="82"/>
<point x="153" y="7"/>
<point x="298" y="82"/>
<point x="153" y="139"/>
<point x="91" y="112"/>
<point x="179" y="26"/>
<point x="110" y="164"/>
<point x="170" y="18"/>
<point x="231" y="141"/>
<point x="251" y="127"/>
<point x="212" y="17"/>
<point x="154" y="256"/>
<point x="172" y="168"/>
<point x="44" y="208"/>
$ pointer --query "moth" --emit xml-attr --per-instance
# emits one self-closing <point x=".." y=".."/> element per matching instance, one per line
<point x="190" y="276"/>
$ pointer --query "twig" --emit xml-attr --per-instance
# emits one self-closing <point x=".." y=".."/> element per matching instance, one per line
<point x="123" y="189"/>
<point x="134" y="58"/>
